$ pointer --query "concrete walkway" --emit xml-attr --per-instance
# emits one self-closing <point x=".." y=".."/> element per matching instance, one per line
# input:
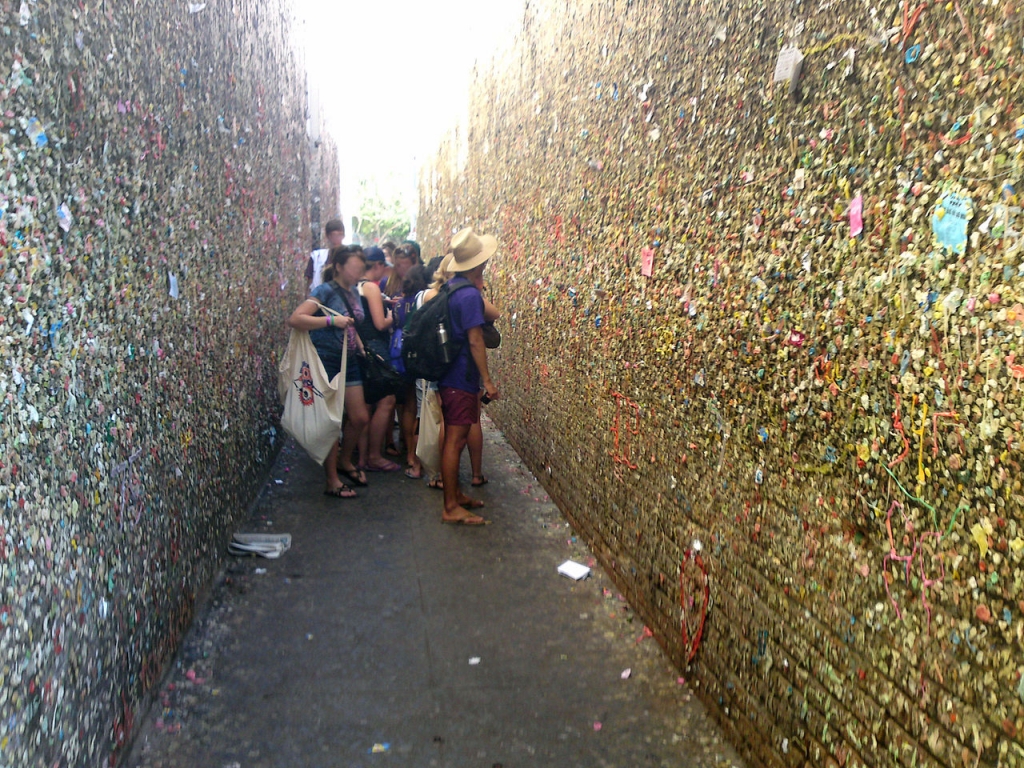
<point x="383" y="637"/>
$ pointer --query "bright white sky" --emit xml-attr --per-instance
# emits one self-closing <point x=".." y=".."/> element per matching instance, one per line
<point x="393" y="77"/>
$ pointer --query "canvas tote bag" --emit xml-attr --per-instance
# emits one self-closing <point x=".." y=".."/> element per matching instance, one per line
<point x="313" y="406"/>
<point x="429" y="446"/>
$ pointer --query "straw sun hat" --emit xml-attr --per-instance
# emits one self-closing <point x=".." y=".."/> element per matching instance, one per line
<point x="470" y="250"/>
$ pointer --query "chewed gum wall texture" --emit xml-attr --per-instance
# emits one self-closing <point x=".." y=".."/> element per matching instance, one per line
<point x="156" y="189"/>
<point x="763" y="291"/>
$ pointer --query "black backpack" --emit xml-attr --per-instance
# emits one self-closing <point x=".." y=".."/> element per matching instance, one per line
<point x="426" y="351"/>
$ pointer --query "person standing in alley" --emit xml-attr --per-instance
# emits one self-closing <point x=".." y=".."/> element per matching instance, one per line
<point x="406" y="257"/>
<point x="335" y="232"/>
<point x="344" y="270"/>
<point x="460" y="386"/>
<point x="375" y="331"/>
<point x="388" y="246"/>
<point x="412" y="288"/>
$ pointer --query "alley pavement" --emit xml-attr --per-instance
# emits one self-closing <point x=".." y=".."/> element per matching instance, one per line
<point x="382" y="637"/>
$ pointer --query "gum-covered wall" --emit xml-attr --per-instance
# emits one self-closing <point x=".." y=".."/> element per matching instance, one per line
<point x="763" y="302"/>
<point x="155" y="197"/>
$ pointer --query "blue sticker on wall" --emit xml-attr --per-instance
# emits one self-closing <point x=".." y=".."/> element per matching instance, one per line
<point x="950" y="218"/>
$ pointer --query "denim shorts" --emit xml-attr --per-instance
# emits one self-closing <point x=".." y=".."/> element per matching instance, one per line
<point x="353" y="373"/>
<point x="422" y="385"/>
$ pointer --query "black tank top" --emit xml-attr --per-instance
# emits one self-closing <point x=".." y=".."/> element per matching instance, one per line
<point x="367" y="330"/>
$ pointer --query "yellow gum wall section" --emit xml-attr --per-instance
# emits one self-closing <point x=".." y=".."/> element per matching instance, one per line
<point x="763" y="295"/>
<point x="156" y="183"/>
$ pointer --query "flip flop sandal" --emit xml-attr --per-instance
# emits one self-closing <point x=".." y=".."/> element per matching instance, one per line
<point x="411" y="474"/>
<point x="469" y="520"/>
<point x="473" y="504"/>
<point x="387" y="466"/>
<point x="483" y="481"/>
<point x="436" y="484"/>
<point x="342" y="492"/>
<point x="355" y="476"/>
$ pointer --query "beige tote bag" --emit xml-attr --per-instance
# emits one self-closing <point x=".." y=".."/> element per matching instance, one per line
<point x="429" y="446"/>
<point x="314" y="407"/>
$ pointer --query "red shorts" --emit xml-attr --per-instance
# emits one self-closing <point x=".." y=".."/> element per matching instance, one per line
<point x="460" y="408"/>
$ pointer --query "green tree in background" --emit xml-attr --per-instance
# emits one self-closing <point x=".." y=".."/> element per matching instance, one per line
<point x="381" y="216"/>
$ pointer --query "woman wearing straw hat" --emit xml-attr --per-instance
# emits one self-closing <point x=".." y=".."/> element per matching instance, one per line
<point x="460" y="386"/>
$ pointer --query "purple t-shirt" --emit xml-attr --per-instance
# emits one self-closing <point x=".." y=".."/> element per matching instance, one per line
<point x="466" y="309"/>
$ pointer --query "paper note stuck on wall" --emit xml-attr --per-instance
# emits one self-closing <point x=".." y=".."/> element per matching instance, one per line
<point x="788" y="65"/>
<point x="647" y="261"/>
<point x="856" y="216"/>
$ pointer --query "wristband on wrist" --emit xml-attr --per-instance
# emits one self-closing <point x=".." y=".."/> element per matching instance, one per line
<point x="330" y="321"/>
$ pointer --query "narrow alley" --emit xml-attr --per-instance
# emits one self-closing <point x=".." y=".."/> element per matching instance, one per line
<point x="382" y="637"/>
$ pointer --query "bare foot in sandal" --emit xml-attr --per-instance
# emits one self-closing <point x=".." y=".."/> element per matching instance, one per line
<point x="460" y="516"/>
<point x="355" y="475"/>
<point x="470" y="503"/>
<point x="383" y="465"/>
<point x="341" y="492"/>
